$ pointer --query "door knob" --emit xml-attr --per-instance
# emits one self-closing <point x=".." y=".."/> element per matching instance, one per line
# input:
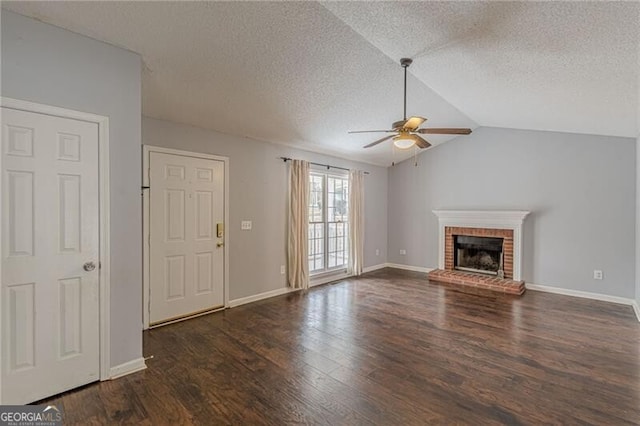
<point x="220" y="244"/>
<point x="89" y="266"/>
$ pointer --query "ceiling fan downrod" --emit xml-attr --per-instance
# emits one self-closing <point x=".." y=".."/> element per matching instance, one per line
<point x="405" y="62"/>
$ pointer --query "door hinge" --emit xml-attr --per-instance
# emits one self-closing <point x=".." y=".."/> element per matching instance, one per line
<point x="143" y="187"/>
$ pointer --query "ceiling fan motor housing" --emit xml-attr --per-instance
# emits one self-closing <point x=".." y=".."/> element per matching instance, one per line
<point x="405" y="62"/>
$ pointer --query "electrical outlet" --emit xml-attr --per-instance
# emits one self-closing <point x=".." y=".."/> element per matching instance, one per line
<point x="282" y="270"/>
<point x="246" y="225"/>
<point x="403" y="251"/>
<point x="597" y="274"/>
<point x="377" y="252"/>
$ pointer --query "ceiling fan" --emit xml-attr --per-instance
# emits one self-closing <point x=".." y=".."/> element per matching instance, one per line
<point x="406" y="132"/>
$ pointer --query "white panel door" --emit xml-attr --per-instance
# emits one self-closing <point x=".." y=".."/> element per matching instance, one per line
<point x="50" y="234"/>
<point x="186" y="256"/>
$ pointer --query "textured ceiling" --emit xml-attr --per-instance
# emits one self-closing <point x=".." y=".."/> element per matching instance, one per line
<point x="563" y="66"/>
<point x="302" y="73"/>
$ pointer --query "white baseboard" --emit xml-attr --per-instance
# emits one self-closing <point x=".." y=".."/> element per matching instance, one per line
<point x="636" y="309"/>
<point x="397" y="266"/>
<point x="374" y="267"/>
<point x="323" y="279"/>
<point x="583" y="294"/>
<point x="127" y="368"/>
<point x="530" y="286"/>
<point x="408" y="267"/>
<point x="314" y="282"/>
<point x="265" y="295"/>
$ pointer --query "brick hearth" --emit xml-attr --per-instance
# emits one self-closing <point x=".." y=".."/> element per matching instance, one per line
<point x="505" y="224"/>
<point x="467" y="279"/>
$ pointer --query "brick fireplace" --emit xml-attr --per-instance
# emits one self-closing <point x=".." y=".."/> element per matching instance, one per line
<point x="480" y="249"/>
<point x="506" y="235"/>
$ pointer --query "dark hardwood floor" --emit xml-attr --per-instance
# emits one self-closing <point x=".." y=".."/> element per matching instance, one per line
<point x="387" y="348"/>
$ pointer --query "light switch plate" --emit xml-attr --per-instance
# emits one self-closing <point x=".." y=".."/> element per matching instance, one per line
<point x="246" y="225"/>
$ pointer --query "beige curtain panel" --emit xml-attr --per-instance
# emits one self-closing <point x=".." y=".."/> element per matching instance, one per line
<point x="298" y="238"/>
<point x="356" y="221"/>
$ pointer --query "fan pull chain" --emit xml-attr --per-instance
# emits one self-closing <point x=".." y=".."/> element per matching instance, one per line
<point x="415" y="156"/>
<point x="393" y="154"/>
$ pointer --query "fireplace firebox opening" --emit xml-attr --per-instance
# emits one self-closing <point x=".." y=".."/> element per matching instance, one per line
<point x="482" y="255"/>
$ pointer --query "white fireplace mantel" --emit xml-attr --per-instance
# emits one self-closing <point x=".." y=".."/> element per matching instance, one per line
<point x="494" y="219"/>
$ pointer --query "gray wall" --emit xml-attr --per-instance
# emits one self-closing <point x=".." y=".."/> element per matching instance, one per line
<point x="638" y="190"/>
<point x="258" y="188"/>
<point x="579" y="188"/>
<point x="637" y="264"/>
<point x="49" y="65"/>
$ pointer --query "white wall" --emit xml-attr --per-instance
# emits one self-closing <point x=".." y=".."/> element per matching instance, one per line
<point x="49" y="65"/>
<point x="258" y="188"/>
<point x="579" y="188"/>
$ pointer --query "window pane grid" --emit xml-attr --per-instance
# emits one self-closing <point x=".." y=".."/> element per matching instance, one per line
<point x="337" y="199"/>
<point x="316" y="198"/>
<point x="328" y="222"/>
<point x="316" y="247"/>
<point x="337" y="254"/>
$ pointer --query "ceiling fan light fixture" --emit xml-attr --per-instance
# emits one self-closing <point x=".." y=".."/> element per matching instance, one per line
<point x="404" y="141"/>
<point x="406" y="132"/>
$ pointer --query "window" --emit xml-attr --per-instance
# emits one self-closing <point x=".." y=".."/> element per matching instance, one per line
<point x="328" y="222"/>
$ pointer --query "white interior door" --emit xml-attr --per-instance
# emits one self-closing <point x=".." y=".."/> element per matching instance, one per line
<point x="50" y="243"/>
<point x="186" y="259"/>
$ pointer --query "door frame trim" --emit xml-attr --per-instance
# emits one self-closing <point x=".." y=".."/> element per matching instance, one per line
<point x="146" y="218"/>
<point x="104" y="276"/>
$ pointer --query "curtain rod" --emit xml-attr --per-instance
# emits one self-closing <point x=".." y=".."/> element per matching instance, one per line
<point x="285" y="159"/>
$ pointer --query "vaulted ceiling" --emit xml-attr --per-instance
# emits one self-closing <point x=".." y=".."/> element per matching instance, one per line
<point x="304" y="73"/>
